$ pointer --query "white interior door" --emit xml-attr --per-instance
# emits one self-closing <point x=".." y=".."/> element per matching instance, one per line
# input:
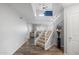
<point x="73" y="33"/>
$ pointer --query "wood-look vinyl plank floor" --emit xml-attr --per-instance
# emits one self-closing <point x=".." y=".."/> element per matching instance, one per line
<point x="30" y="49"/>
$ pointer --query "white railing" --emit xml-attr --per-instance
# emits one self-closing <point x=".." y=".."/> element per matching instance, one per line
<point x="48" y="42"/>
<point x="36" y="39"/>
<point x="50" y="35"/>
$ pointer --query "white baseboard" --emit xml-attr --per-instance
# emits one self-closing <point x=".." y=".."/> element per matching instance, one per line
<point x="19" y="46"/>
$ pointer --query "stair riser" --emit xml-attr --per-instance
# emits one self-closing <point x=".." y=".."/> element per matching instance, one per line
<point x="44" y="37"/>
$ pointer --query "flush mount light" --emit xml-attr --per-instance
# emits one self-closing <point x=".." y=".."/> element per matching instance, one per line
<point x="43" y="6"/>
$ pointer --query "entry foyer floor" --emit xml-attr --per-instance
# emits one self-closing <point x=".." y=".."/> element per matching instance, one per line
<point x="30" y="49"/>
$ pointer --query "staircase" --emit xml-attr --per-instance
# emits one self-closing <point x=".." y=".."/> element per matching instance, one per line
<point x="42" y="39"/>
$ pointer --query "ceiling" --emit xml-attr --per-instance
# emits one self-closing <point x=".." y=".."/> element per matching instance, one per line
<point x="40" y="8"/>
<point x="68" y="4"/>
<point x="25" y="9"/>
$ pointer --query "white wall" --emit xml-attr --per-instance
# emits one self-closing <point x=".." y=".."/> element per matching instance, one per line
<point x="42" y="27"/>
<point x="24" y="10"/>
<point x="13" y="30"/>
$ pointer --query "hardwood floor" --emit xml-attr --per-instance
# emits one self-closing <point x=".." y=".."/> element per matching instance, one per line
<point x="30" y="49"/>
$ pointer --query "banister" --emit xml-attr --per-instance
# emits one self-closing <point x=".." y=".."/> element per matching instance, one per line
<point x="47" y="43"/>
<point x="38" y="37"/>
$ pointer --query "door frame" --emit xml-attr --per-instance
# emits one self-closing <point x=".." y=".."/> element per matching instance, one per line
<point x="65" y="31"/>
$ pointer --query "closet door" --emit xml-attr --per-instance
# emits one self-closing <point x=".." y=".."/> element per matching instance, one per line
<point x="73" y="30"/>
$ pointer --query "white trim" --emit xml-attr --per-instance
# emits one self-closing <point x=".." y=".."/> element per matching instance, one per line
<point x="65" y="32"/>
<point x="25" y="39"/>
